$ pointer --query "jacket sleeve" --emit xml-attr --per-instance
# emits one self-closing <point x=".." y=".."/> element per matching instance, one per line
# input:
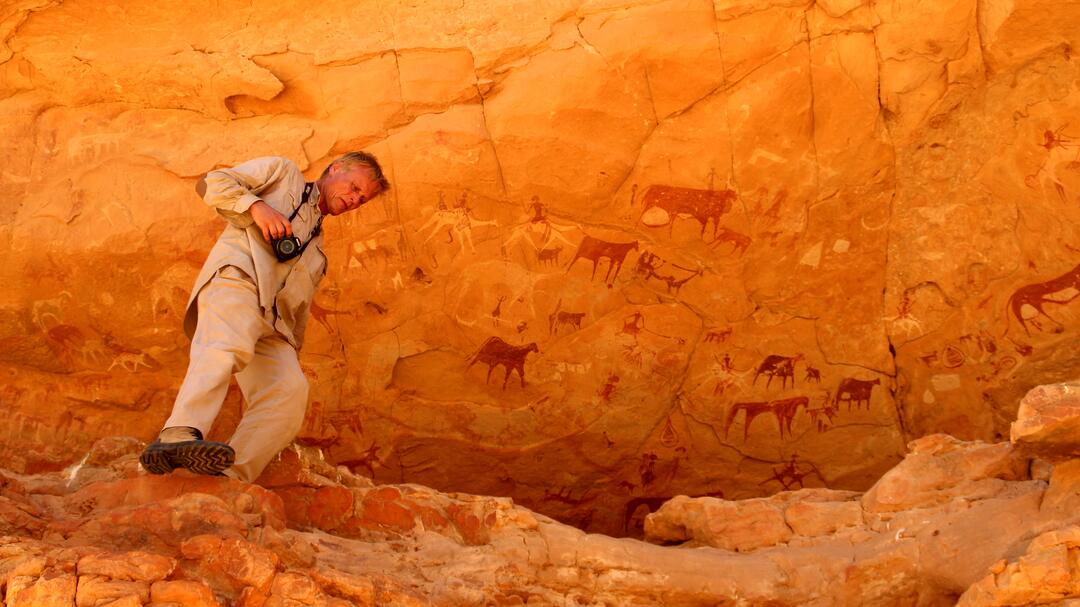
<point x="232" y="191"/>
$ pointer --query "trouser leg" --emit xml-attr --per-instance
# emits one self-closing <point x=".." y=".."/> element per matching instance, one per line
<point x="275" y="392"/>
<point x="229" y="327"/>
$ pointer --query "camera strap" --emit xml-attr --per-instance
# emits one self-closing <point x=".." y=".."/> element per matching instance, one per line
<point x="308" y="187"/>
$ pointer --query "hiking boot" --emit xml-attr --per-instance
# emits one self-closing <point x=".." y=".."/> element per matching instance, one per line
<point x="184" y="447"/>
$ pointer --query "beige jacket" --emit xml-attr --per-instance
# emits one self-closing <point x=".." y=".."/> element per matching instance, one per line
<point x="286" y="288"/>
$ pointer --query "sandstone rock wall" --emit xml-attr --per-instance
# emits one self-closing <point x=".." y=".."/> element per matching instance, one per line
<point x="758" y="245"/>
<point x="954" y="523"/>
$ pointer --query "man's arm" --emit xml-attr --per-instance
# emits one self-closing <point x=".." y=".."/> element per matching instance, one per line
<point x="234" y="193"/>
<point x="271" y="223"/>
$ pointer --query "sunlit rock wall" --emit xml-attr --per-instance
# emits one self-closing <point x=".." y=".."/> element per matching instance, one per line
<point x="727" y="247"/>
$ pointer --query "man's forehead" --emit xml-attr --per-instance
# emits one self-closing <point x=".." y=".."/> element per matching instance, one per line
<point x="353" y="169"/>
<point x="363" y="176"/>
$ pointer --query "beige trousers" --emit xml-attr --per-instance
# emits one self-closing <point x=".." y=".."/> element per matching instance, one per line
<point x="234" y="336"/>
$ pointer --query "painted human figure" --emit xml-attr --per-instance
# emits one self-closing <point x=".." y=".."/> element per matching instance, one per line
<point x="249" y="309"/>
<point x="608" y="389"/>
<point x="538" y="211"/>
<point x="537" y="230"/>
<point x="458" y="221"/>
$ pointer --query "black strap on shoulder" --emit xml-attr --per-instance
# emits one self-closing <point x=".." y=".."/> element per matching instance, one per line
<point x="314" y="233"/>
<point x="303" y="200"/>
<point x="318" y="225"/>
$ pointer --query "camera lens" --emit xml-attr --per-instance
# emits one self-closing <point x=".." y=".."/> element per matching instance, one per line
<point x="286" y="246"/>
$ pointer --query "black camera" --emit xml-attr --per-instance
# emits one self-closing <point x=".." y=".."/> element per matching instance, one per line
<point x="286" y="248"/>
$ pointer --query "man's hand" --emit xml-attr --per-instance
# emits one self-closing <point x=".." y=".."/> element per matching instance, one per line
<point x="274" y="225"/>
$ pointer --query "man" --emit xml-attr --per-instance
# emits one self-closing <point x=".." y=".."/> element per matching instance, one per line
<point x="249" y="308"/>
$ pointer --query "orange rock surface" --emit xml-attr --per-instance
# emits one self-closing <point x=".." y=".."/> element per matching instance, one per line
<point x="956" y="522"/>
<point x="740" y="247"/>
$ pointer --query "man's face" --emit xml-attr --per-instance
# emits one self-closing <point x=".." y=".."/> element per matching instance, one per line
<point x="345" y="188"/>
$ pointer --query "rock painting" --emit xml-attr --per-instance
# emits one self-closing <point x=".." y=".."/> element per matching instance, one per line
<point x="739" y="241"/>
<point x="725" y="372"/>
<point x="980" y="350"/>
<point x="634" y="325"/>
<point x="775" y="366"/>
<point x="563" y="318"/>
<point x="458" y="223"/>
<point x="565" y="495"/>
<point x="322" y="315"/>
<point x="595" y="250"/>
<point x="131" y="362"/>
<point x="663" y="204"/>
<point x="608" y="389"/>
<point x="648" y="266"/>
<point x="369" y="461"/>
<point x="69" y="342"/>
<point x="495" y="352"/>
<point x="783" y="409"/>
<point x="668" y="437"/>
<point x="546" y="257"/>
<point x="857" y="391"/>
<point x="822" y="412"/>
<point x="541" y="234"/>
<point x="822" y="417"/>
<point x="1054" y="140"/>
<point x="368" y="252"/>
<point x="718" y="335"/>
<point x="1036" y="295"/>
<point x="346" y="419"/>
<point x="496" y="314"/>
<point x="792" y="473"/>
<point x="88" y="148"/>
<point x="905" y="320"/>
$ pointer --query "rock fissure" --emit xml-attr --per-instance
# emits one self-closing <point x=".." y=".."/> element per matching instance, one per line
<point x="490" y="140"/>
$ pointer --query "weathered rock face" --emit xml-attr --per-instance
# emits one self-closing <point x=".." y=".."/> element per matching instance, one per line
<point x="956" y="522"/>
<point x="758" y="245"/>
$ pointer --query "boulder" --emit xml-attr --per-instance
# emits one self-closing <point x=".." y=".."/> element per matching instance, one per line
<point x="1048" y="422"/>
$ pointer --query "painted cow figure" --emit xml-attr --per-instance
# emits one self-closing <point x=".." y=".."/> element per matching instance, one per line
<point x="784" y="409"/>
<point x="702" y="205"/>
<point x="496" y="352"/>
<point x="595" y="249"/>
<point x="856" y="391"/>
<point x="775" y="365"/>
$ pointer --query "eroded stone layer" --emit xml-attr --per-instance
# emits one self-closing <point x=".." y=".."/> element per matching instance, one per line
<point x="730" y="247"/>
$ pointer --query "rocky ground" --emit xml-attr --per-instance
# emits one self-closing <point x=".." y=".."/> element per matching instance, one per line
<point x="966" y="523"/>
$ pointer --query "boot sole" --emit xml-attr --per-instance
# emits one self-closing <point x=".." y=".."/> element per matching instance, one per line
<point x="200" y="457"/>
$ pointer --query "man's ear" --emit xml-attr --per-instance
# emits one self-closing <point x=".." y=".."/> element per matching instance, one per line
<point x="200" y="187"/>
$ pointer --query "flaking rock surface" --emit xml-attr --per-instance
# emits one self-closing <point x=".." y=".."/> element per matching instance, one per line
<point x="956" y="522"/>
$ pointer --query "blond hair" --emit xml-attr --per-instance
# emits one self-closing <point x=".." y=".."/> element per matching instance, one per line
<point x="363" y="159"/>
